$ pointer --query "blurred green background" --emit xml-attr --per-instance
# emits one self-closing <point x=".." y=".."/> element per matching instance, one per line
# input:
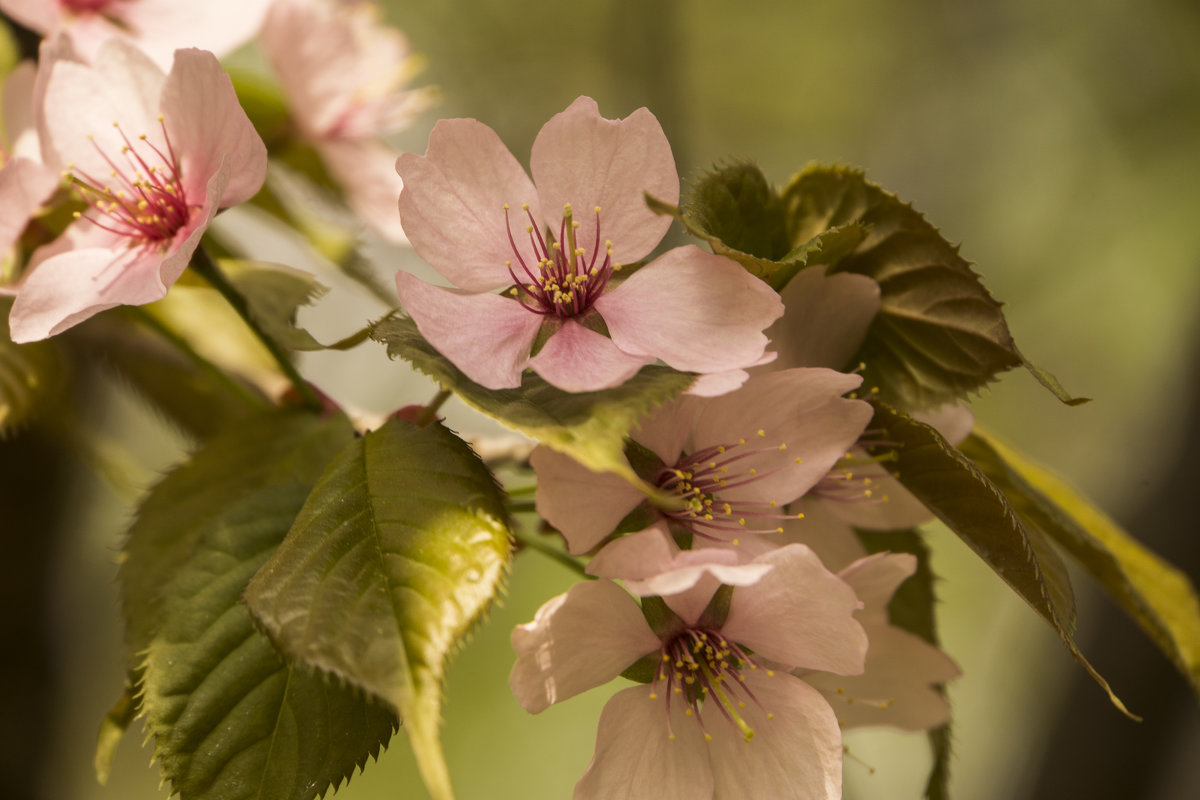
<point x="1058" y="142"/>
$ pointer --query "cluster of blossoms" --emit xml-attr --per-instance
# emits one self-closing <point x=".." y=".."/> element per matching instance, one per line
<point x="752" y="653"/>
<point x="737" y="596"/>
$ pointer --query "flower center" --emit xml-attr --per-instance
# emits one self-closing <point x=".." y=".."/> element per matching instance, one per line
<point x="82" y="6"/>
<point x="142" y="198"/>
<point x="704" y="480"/>
<point x="560" y="278"/>
<point x="700" y="665"/>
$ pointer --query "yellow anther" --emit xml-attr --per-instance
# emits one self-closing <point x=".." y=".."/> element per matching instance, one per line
<point x="800" y="516"/>
<point x="506" y="206"/>
<point x="753" y="471"/>
<point x="524" y="206"/>
<point x="160" y="117"/>
<point x="741" y="441"/>
<point x="597" y="209"/>
<point x="761" y="432"/>
<point x="742" y="521"/>
<point x="783" y="445"/>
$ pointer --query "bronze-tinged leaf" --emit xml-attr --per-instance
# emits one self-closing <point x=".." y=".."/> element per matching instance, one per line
<point x="1156" y="595"/>
<point x="939" y="334"/>
<point x="957" y="491"/>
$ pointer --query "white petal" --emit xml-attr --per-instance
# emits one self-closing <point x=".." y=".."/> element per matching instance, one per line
<point x="584" y="506"/>
<point x="577" y="641"/>
<point x="636" y="758"/>
<point x="796" y="754"/>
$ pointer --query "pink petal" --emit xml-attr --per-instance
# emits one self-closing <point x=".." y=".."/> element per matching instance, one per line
<point x="635" y="556"/>
<point x="637" y="758"/>
<point x="576" y="359"/>
<point x="37" y="15"/>
<point x="696" y="311"/>
<point x="20" y="134"/>
<point x="796" y="754"/>
<point x="366" y="171"/>
<point x="81" y="103"/>
<point x="874" y="579"/>
<point x="24" y="186"/>
<point x="453" y="204"/>
<point x="826" y="320"/>
<point x="69" y="288"/>
<point x="666" y="430"/>
<point x="208" y="128"/>
<point x="896" y="689"/>
<point x="953" y="421"/>
<point x="486" y="336"/>
<point x="577" y="641"/>
<point x="586" y="160"/>
<point x="799" y="614"/>
<point x="890" y="507"/>
<point x="161" y="26"/>
<point x="823" y="530"/>
<point x="807" y="426"/>
<point x="584" y="506"/>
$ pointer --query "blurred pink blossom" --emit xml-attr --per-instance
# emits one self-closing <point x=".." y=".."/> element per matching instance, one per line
<point x="158" y="27"/>
<point x="155" y="157"/>
<point x="345" y="76"/>
<point x="25" y="183"/>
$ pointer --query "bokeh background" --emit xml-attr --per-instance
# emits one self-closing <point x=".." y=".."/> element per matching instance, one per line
<point x="1058" y="142"/>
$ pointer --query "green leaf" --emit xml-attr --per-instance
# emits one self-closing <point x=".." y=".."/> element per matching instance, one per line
<point x="112" y="730"/>
<point x="242" y="465"/>
<point x="741" y="216"/>
<point x="29" y="376"/>
<point x="274" y="293"/>
<point x="1157" y="596"/>
<point x="960" y="495"/>
<point x="232" y="720"/>
<point x="939" y="334"/>
<point x="913" y="608"/>
<point x="588" y="426"/>
<point x="398" y="551"/>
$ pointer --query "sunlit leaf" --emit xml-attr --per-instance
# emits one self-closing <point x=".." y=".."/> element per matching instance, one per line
<point x="1157" y="596"/>
<point x="958" y="492"/>
<point x="399" y="549"/>
<point x="939" y="334"/>
<point x="913" y="608"/>
<point x="112" y="730"/>
<point x="588" y="426"/>
<point x="230" y="718"/>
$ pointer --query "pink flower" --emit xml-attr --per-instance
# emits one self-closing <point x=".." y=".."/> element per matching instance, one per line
<point x="470" y="210"/>
<point x="735" y="461"/>
<point x="897" y="687"/>
<point x="825" y="321"/>
<point x="157" y="27"/>
<point x="154" y="157"/>
<point x="25" y="183"/>
<point x="344" y="74"/>
<point x="720" y="716"/>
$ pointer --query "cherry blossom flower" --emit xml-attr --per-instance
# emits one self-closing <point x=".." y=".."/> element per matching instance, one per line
<point x="825" y="321"/>
<point x="25" y="183"/>
<point x="720" y="717"/>
<point x="470" y="210"/>
<point x="155" y="157"/>
<point x="345" y="74"/>
<point x="157" y="27"/>
<point x="898" y="686"/>
<point x="734" y="461"/>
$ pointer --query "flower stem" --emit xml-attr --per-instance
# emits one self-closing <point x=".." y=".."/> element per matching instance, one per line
<point x="219" y="376"/>
<point x="207" y="269"/>
<point x="429" y="413"/>
<point x="562" y="558"/>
